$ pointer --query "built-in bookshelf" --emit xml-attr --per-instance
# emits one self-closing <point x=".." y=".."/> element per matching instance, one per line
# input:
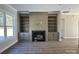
<point x="53" y="35"/>
<point x="24" y="23"/>
<point x="52" y="23"/>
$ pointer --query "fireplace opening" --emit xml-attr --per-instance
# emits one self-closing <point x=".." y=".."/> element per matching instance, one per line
<point x="38" y="35"/>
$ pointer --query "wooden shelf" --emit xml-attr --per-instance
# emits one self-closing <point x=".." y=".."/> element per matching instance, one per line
<point x="52" y="23"/>
<point x="24" y="23"/>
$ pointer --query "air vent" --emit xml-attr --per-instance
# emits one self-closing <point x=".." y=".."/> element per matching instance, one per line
<point x="65" y="11"/>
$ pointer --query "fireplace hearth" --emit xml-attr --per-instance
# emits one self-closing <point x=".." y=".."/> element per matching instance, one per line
<point x="38" y="35"/>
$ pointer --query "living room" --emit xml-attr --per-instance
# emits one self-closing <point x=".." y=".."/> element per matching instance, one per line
<point x="38" y="28"/>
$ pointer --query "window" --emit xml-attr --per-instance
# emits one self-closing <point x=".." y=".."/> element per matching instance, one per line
<point x="1" y="25"/>
<point x="6" y="25"/>
<point x="9" y="25"/>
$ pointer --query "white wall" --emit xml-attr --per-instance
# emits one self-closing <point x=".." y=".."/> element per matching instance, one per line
<point x="59" y="26"/>
<point x="68" y="25"/>
<point x="71" y="26"/>
<point x="4" y="44"/>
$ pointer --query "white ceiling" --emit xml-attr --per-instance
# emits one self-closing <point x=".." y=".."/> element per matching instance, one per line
<point x="45" y="7"/>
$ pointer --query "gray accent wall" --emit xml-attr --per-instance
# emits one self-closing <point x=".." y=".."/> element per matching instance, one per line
<point x="38" y="21"/>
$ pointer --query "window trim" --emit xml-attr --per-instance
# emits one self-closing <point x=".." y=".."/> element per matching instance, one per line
<point x="7" y="13"/>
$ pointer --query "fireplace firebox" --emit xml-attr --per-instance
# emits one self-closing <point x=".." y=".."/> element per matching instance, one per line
<point x="38" y="35"/>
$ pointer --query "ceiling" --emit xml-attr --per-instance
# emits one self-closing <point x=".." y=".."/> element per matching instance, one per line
<point x="45" y="7"/>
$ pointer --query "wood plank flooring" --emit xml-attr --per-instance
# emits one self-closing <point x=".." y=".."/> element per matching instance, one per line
<point x="67" y="46"/>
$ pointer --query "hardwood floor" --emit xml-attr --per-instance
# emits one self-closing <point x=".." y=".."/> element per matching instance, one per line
<point x="67" y="46"/>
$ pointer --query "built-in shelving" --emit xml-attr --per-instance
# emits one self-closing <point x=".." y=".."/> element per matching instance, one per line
<point x="52" y="23"/>
<point x="53" y="35"/>
<point x="24" y="27"/>
<point x="24" y="23"/>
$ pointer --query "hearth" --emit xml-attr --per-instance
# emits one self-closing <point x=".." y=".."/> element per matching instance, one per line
<point x="38" y="35"/>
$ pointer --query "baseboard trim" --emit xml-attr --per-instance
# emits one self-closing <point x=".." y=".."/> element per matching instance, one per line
<point x="71" y="37"/>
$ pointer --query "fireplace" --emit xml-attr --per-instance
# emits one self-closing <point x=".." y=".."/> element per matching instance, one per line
<point x="38" y="35"/>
